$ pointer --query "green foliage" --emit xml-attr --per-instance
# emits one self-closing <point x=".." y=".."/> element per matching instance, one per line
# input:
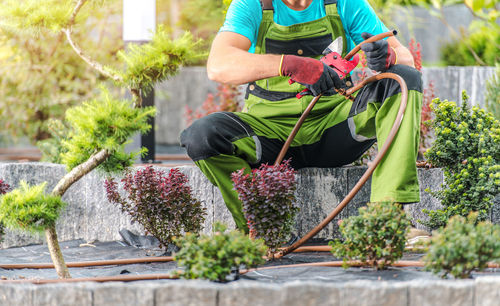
<point x="104" y="123"/>
<point x="52" y="148"/>
<point x="215" y="257"/>
<point x="41" y="76"/>
<point x="36" y="15"/>
<point x="467" y="146"/>
<point x="155" y="61"/>
<point x="492" y="99"/>
<point x="481" y="47"/>
<point x="29" y="208"/>
<point x="376" y="236"/>
<point x="463" y="246"/>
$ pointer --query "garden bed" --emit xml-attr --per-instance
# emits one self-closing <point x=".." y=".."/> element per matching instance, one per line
<point x="290" y="286"/>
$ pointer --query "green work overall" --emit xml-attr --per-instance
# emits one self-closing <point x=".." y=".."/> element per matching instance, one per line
<point x="336" y="133"/>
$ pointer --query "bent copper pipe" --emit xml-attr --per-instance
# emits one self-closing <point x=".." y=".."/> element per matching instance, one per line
<point x="82" y="264"/>
<point x="369" y="171"/>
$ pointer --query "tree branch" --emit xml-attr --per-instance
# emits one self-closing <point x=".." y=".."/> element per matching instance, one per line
<point x="79" y="171"/>
<point x="68" y="30"/>
<point x="75" y="12"/>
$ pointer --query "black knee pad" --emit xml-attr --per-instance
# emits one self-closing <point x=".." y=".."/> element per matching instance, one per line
<point x="213" y="135"/>
<point x="411" y="76"/>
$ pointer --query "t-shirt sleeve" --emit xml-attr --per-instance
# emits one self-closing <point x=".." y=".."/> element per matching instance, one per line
<point x="243" y="17"/>
<point x="358" y="17"/>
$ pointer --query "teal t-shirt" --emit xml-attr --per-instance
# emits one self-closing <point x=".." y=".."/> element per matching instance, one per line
<point x="244" y="17"/>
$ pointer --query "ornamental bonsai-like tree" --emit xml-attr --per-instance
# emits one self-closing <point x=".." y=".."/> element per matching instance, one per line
<point x="99" y="129"/>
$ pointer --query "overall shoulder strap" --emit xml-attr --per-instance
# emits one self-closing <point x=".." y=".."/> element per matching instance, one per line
<point x="268" y="4"/>
<point x="327" y="2"/>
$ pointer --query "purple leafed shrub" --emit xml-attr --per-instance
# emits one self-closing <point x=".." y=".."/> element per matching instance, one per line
<point x="162" y="204"/>
<point x="4" y="187"/>
<point x="268" y="197"/>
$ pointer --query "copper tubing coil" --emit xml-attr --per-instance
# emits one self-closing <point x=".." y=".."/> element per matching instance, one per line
<point x="378" y="158"/>
<point x="326" y="221"/>
<point x="371" y="168"/>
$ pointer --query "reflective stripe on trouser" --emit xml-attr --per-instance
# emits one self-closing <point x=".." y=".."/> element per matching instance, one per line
<point x="222" y="143"/>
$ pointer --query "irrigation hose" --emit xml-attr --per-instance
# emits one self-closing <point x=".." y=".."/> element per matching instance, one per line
<point x="296" y="246"/>
<point x="371" y="168"/>
<point x="82" y="264"/>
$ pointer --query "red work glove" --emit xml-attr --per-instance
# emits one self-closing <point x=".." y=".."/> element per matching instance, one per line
<point x="379" y="55"/>
<point x="313" y="74"/>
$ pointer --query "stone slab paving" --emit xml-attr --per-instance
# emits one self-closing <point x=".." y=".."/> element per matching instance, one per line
<point x="482" y="291"/>
<point x="91" y="217"/>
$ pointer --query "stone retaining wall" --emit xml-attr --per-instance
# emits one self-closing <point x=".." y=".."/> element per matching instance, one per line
<point x="483" y="291"/>
<point x="91" y="217"/>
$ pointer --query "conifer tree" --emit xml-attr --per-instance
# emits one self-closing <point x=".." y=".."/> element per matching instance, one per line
<point x="98" y="129"/>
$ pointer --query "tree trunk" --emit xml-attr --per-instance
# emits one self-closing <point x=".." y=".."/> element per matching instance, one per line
<point x="55" y="252"/>
<point x="79" y="171"/>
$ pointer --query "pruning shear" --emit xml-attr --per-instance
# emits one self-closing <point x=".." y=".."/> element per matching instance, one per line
<point x="333" y="58"/>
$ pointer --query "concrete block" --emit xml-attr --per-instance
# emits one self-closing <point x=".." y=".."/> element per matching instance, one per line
<point x="438" y="293"/>
<point x="311" y="294"/>
<point x="319" y="191"/>
<point x="249" y="293"/>
<point x="62" y="295"/>
<point x="103" y="219"/>
<point x="15" y="294"/>
<point x="135" y="294"/>
<point x="487" y="291"/>
<point x="361" y="293"/>
<point x="362" y="197"/>
<point x="431" y="179"/>
<point x="186" y="293"/>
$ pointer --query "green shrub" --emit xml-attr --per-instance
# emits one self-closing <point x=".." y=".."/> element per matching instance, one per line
<point x="215" y="257"/>
<point x="462" y="247"/>
<point x="376" y="237"/>
<point x="467" y="146"/>
<point x="478" y="48"/>
<point x="29" y="208"/>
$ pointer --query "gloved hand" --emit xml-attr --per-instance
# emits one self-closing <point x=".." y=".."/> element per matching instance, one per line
<point x="313" y="74"/>
<point x="379" y="55"/>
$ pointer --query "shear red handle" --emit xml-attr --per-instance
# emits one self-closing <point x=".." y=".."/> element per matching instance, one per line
<point x="334" y="60"/>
